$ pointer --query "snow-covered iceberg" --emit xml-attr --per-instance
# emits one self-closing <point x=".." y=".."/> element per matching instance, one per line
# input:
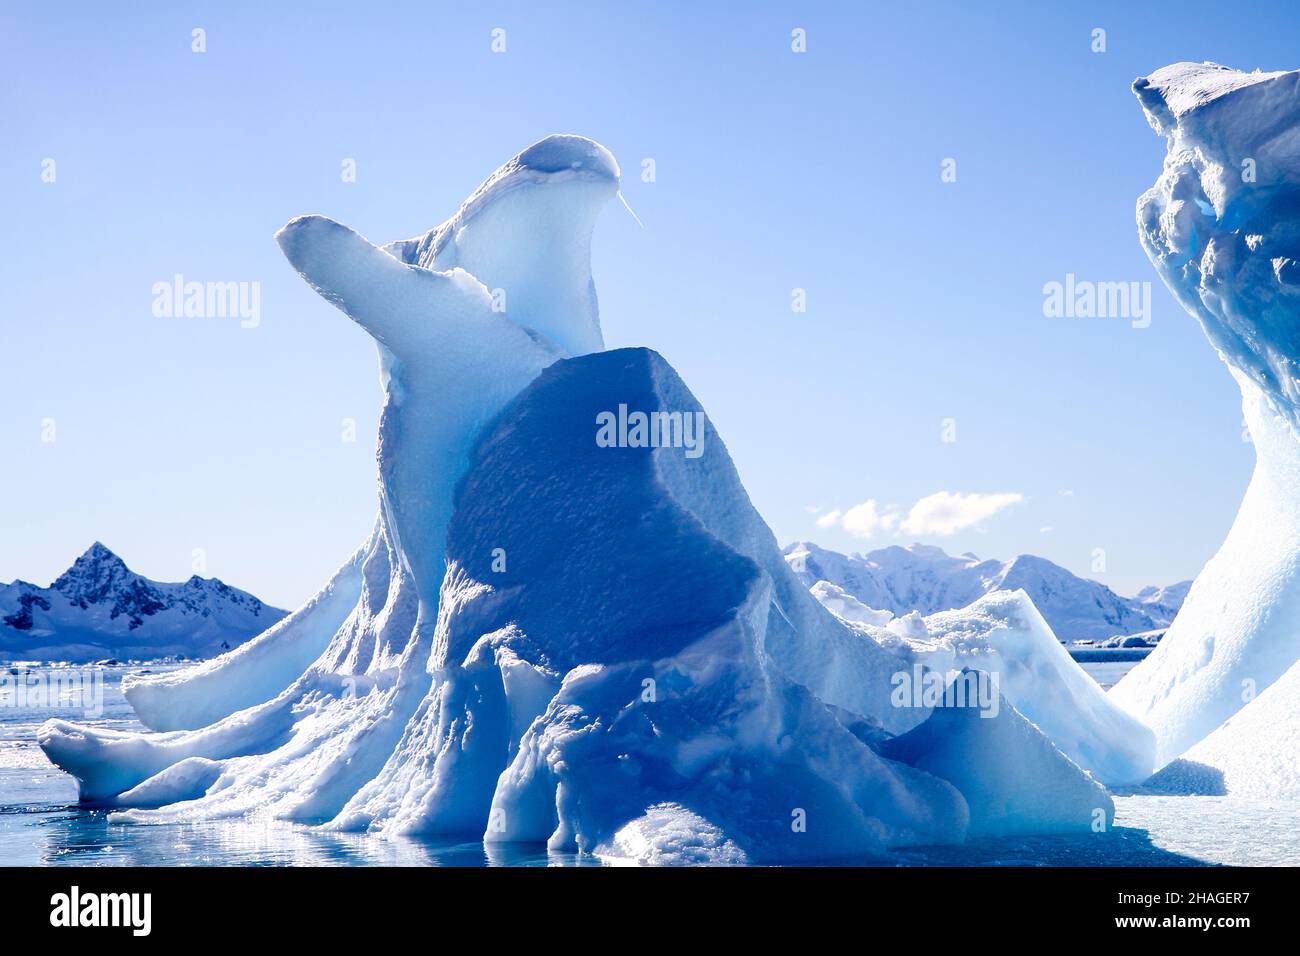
<point x="463" y="318"/>
<point x="1013" y="778"/>
<point x="560" y="629"/>
<point x="1256" y="753"/>
<point x="1003" y="634"/>
<point x="610" y="643"/>
<point x="339" y="677"/>
<point x="1222" y="227"/>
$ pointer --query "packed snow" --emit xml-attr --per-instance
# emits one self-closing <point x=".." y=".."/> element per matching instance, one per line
<point x="1220" y="227"/>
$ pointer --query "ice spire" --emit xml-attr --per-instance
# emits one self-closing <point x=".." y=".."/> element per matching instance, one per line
<point x="455" y="346"/>
<point x="1222" y="227"/>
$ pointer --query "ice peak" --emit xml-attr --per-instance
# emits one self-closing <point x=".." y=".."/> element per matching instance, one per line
<point x="562" y="152"/>
<point x="1220" y="225"/>
<point x="1172" y="92"/>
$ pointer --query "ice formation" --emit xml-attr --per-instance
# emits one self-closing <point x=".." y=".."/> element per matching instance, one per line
<point x="546" y="639"/>
<point x="336" y="680"/>
<point x="628" y="654"/>
<point x="1221" y="225"/>
<point x="844" y="605"/>
<point x="1254" y="754"/>
<point x="1002" y="633"/>
<point x="1013" y="779"/>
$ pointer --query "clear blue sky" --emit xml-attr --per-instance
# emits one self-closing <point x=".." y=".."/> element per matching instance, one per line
<point x="775" y="170"/>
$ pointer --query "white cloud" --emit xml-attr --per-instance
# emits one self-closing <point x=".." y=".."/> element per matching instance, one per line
<point x="864" y="520"/>
<point x="940" y="514"/>
<point x="829" y="520"/>
<point x="947" y="512"/>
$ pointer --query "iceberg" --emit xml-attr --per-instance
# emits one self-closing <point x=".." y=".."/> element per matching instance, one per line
<point x="1004" y="635"/>
<point x="337" y="679"/>
<point x="844" y="605"/>
<point x="604" y="672"/>
<point x="1221" y="227"/>
<point x="1013" y="779"/>
<point x="628" y="655"/>
<point x="1252" y="755"/>
<point x="550" y="637"/>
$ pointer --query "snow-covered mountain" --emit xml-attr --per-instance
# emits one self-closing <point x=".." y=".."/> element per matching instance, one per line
<point x="927" y="579"/>
<point x="100" y="608"/>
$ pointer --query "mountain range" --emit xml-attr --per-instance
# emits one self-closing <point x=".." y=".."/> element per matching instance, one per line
<point x="99" y="608"/>
<point x="927" y="579"/>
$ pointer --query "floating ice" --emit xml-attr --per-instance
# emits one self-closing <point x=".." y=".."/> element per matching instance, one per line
<point x="627" y="655"/>
<point x="670" y="835"/>
<point x="1254" y="754"/>
<point x="1003" y="635"/>
<point x="1222" y="227"/>
<point x="548" y="639"/>
<point x="1013" y="779"/>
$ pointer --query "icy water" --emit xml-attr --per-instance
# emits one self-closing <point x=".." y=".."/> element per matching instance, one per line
<point x="41" y="824"/>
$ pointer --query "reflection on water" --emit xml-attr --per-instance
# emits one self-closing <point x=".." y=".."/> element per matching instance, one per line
<point x="1153" y="831"/>
<point x="70" y="836"/>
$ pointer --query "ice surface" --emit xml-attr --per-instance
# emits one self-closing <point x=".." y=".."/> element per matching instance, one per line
<point x="1003" y="634"/>
<point x="1013" y="779"/>
<point x="844" y="605"/>
<point x="449" y="361"/>
<point x="1222" y="229"/>
<point x="309" y="711"/>
<point x="626" y="656"/>
<point x="1256" y="753"/>
<point x="670" y="835"/>
<point x="546" y="638"/>
<point x="252" y="673"/>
